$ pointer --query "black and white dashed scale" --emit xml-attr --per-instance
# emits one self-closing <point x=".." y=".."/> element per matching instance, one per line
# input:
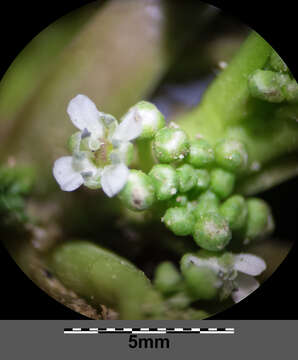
<point x="149" y="331"/>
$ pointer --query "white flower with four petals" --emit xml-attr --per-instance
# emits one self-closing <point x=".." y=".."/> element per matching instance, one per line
<point x="100" y="149"/>
<point x="235" y="273"/>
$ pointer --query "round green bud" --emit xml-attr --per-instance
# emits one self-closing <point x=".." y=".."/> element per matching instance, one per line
<point x="139" y="192"/>
<point x="200" y="154"/>
<point x="202" y="183"/>
<point x="187" y="176"/>
<point x="231" y="155"/>
<point x="265" y="85"/>
<point x="165" y="180"/>
<point x="170" y="144"/>
<point x="167" y="278"/>
<point x="212" y="232"/>
<point x="207" y="202"/>
<point x="234" y="210"/>
<point x="259" y="219"/>
<point x="277" y="63"/>
<point x="290" y="89"/>
<point x="222" y="182"/>
<point x="152" y="119"/>
<point x="179" y="220"/>
<point x="202" y="282"/>
<point x="203" y="180"/>
<point x="178" y="200"/>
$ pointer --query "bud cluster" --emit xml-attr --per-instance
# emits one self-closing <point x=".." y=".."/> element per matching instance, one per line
<point x="274" y="84"/>
<point x="195" y="182"/>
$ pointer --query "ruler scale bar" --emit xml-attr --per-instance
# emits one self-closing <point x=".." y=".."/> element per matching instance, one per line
<point x="150" y="331"/>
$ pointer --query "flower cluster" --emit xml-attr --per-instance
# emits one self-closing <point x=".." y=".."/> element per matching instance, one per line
<point x="195" y="183"/>
<point x="191" y="180"/>
<point x="102" y="149"/>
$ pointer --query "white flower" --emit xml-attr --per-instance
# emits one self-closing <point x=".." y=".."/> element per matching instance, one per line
<point x="247" y="266"/>
<point x="100" y="149"/>
<point x="235" y="273"/>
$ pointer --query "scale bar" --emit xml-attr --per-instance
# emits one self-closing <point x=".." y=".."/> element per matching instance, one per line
<point x="149" y="331"/>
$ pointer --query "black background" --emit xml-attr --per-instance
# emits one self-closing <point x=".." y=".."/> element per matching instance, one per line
<point x="19" y="23"/>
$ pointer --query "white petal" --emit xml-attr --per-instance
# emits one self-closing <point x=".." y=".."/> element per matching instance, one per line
<point x="249" y="264"/>
<point x="129" y="129"/>
<point x="246" y="285"/>
<point x="113" y="179"/>
<point x="84" y="115"/>
<point x="65" y="175"/>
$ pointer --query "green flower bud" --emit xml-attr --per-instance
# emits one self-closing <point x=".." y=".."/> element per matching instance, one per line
<point x="152" y="119"/>
<point x="165" y="180"/>
<point x="222" y="182"/>
<point x="202" y="183"/>
<point x="290" y="89"/>
<point x="139" y="192"/>
<point x="202" y="281"/>
<point x="212" y="232"/>
<point x="231" y="155"/>
<point x="200" y="154"/>
<point x="259" y="220"/>
<point x="277" y="63"/>
<point x="203" y="180"/>
<point x="170" y="144"/>
<point x="207" y="202"/>
<point x="234" y="210"/>
<point x="167" y="278"/>
<point x="179" y="220"/>
<point x="187" y="176"/>
<point x="178" y="200"/>
<point x="265" y="85"/>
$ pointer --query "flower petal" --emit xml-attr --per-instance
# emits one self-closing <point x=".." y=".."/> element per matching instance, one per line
<point x="249" y="264"/>
<point x="65" y="175"/>
<point x="246" y="285"/>
<point x="129" y="129"/>
<point x="84" y="115"/>
<point x="113" y="179"/>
